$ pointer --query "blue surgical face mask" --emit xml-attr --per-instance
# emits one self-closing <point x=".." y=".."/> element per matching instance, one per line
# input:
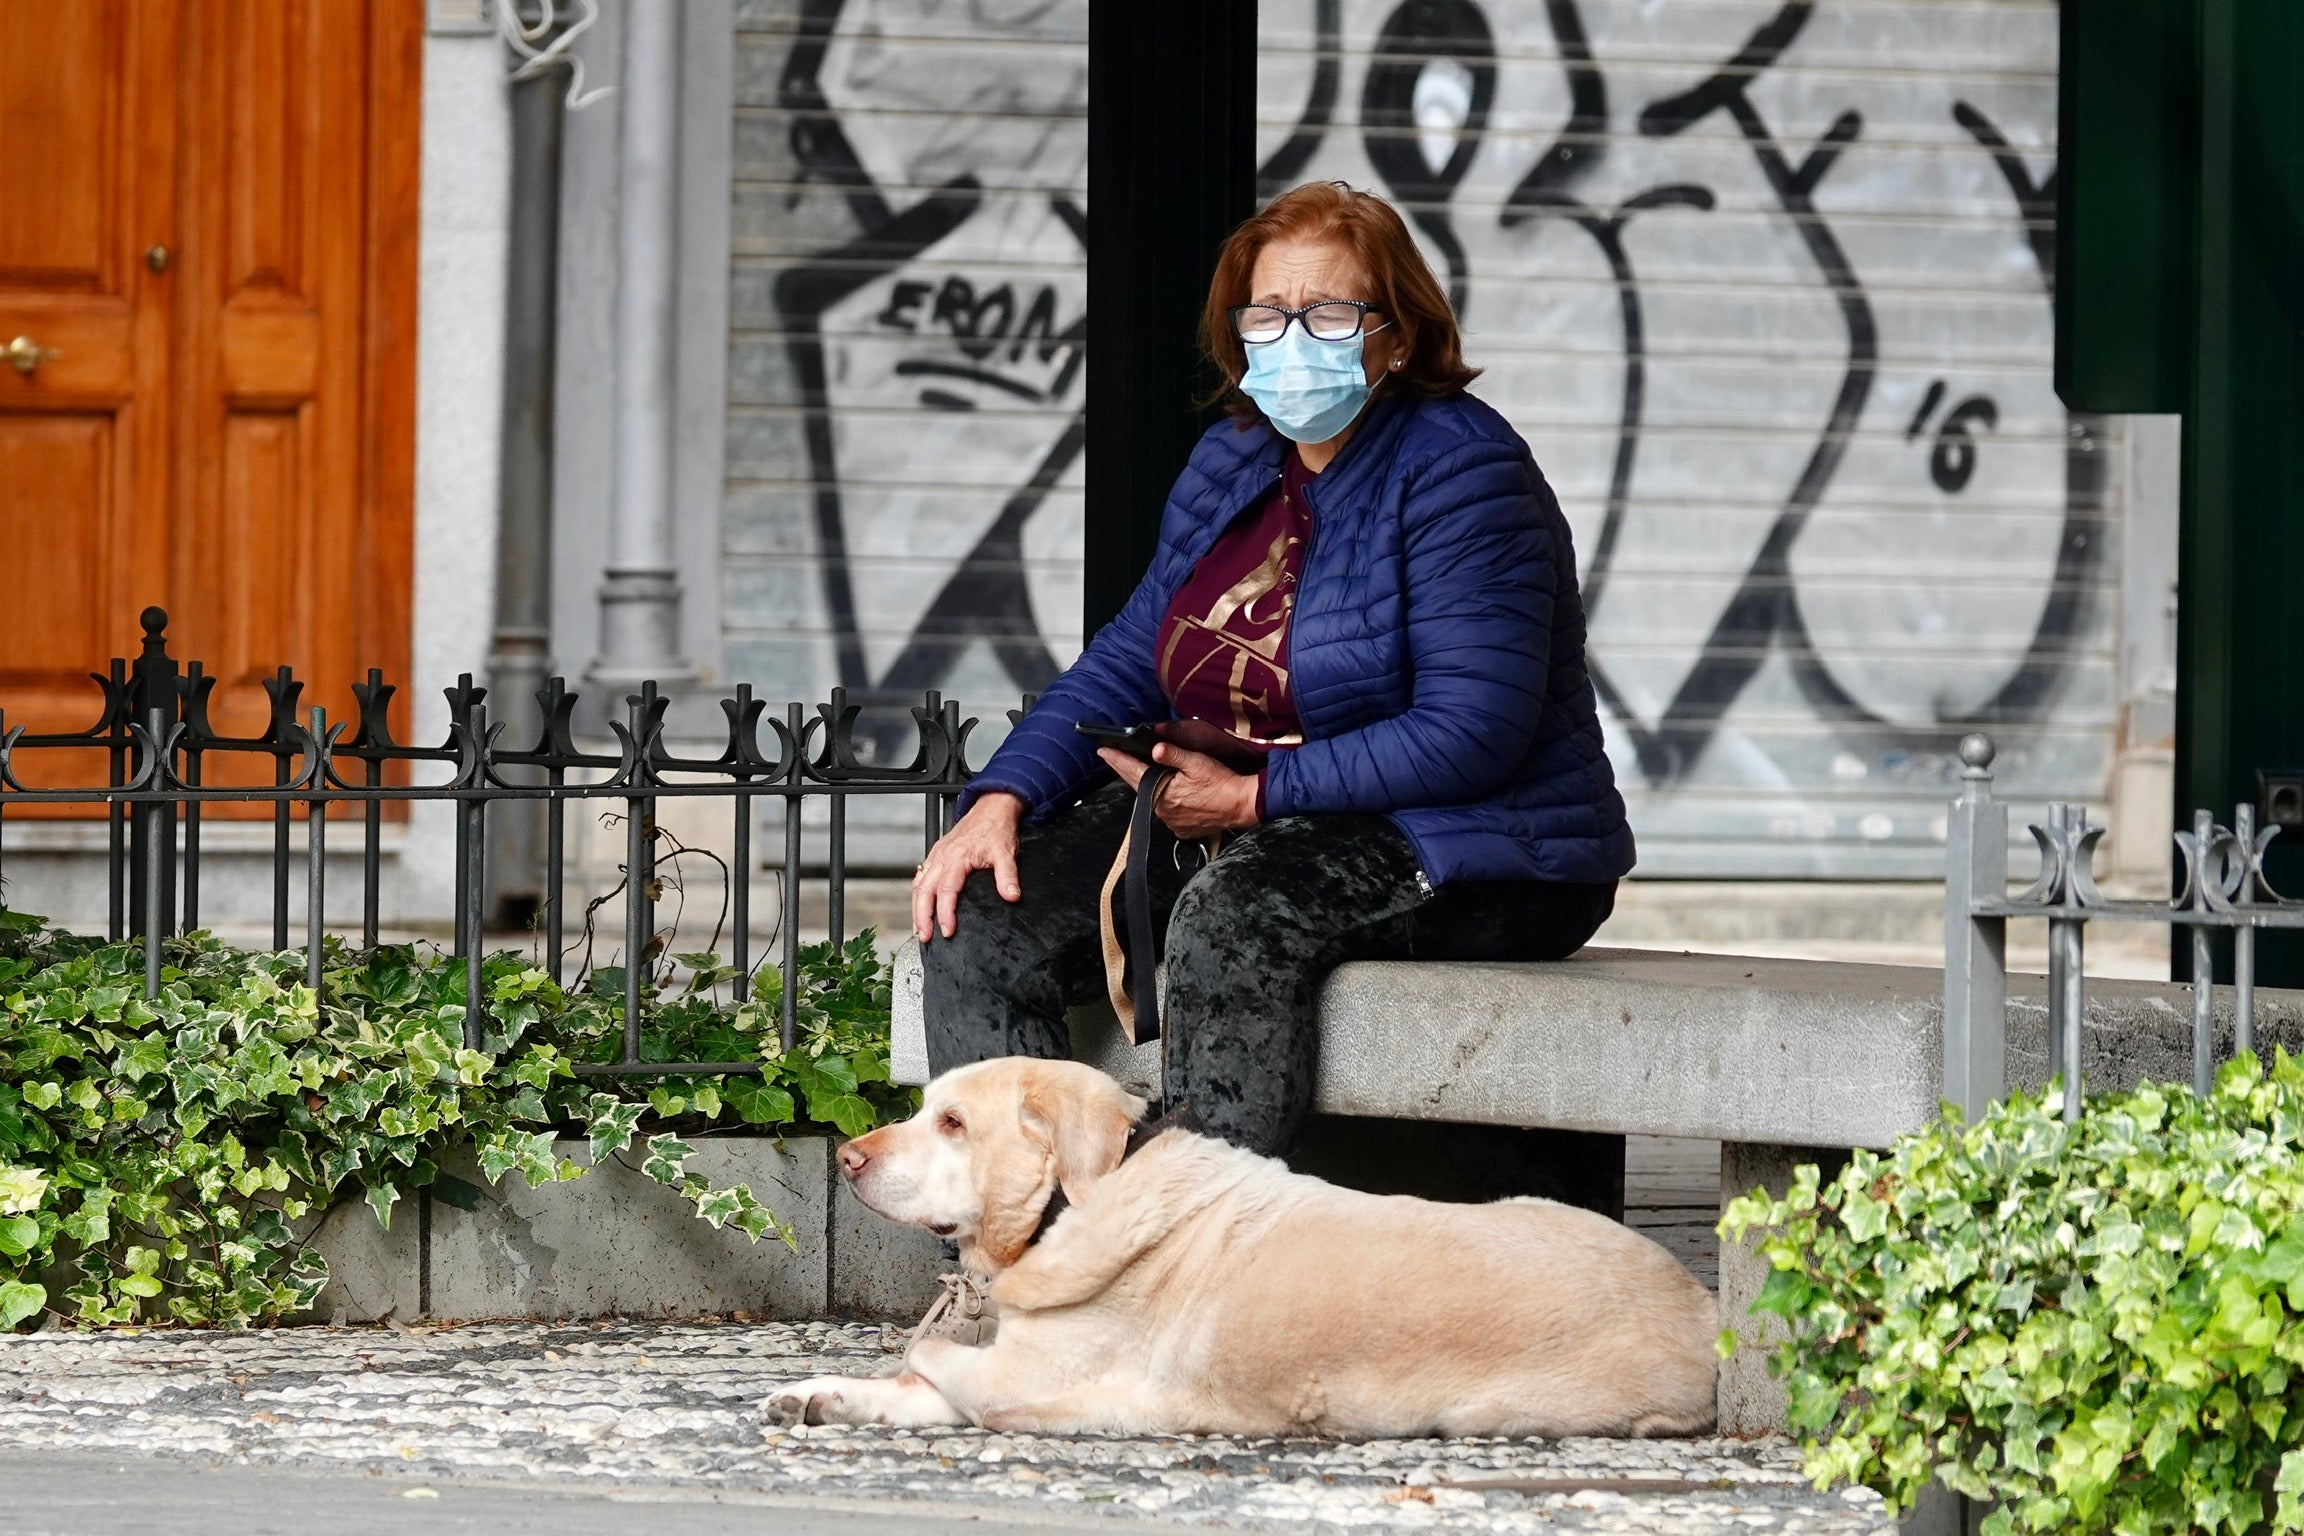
<point x="1309" y="389"/>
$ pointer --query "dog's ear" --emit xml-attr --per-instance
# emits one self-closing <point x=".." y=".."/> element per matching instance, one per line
<point x="1014" y="1191"/>
<point x="1084" y="1124"/>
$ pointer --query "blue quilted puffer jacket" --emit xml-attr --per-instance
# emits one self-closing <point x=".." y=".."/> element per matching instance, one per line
<point x="1436" y="651"/>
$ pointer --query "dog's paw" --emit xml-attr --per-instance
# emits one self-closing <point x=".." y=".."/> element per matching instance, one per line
<point x="817" y="1401"/>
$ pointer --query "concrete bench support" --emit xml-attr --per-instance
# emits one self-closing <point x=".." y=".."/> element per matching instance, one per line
<point x="1752" y="1401"/>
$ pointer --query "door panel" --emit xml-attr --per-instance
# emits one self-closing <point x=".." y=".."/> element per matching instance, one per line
<point x="60" y="589"/>
<point x="87" y="147"/>
<point x="251" y="595"/>
<point x="59" y="144"/>
<point x="271" y="384"/>
<point x="267" y="117"/>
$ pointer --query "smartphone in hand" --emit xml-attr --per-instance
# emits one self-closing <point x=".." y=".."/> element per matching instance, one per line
<point x="1135" y="740"/>
<point x="1192" y="735"/>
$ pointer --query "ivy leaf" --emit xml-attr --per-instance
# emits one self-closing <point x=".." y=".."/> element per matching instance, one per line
<point x="339" y="1164"/>
<point x="853" y="1115"/>
<point x="19" y="1299"/>
<point x="19" y="1235"/>
<point x="612" y="1124"/>
<point x="718" y="1205"/>
<point x="141" y="1058"/>
<point x="2283" y="1260"/>
<point x="539" y="1066"/>
<point x="509" y="1151"/>
<point x="667" y="1157"/>
<point x="758" y="1103"/>
<point x="870" y="1063"/>
<point x="834" y="1070"/>
<point x="307" y="1276"/>
<point x="143" y="1277"/>
<point x="92" y="1223"/>
<point x="381" y="1198"/>
<point x="21" y="1189"/>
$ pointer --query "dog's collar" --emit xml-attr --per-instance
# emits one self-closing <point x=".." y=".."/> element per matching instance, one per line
<point x="1145" y="1133"/>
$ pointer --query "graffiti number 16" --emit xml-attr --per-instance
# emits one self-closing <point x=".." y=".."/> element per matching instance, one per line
<point x="1952" y="463"/>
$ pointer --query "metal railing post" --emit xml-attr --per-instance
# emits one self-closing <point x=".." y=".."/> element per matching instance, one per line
<point x="316" y="853"/>
<point x="283" y="689"/>
<point x="116" y="809"/>
<point x="371" y="855"/>
<point x="555" y="872"/>
<point x="472" y="869"/>
<point x="2204" y="876"/>
<point x="836" y="870"/>
<point x="2067" y="983"/>
<point x="740" y="902"/>
<point x="155" y="856"/>
<point x="2244" y="937"/>
<point x="639" y="870"/>
<point x="788" y="1026"/>
<point x="195" y="692"/>
<point x="1975" y="947"/>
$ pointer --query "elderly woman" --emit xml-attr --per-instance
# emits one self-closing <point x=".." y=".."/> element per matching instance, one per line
<point x="1365" y="582"/>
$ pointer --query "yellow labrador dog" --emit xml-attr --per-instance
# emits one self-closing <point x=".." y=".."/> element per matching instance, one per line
<point x="1190" y="1287"/>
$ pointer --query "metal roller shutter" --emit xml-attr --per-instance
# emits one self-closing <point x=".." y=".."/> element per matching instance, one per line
<point x="1766" y="287"/>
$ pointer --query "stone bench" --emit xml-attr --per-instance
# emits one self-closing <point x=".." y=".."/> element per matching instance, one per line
<point x="1780" y="1061"/>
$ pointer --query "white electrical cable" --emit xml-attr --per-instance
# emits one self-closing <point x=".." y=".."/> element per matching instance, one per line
<point x="523" y="39"/>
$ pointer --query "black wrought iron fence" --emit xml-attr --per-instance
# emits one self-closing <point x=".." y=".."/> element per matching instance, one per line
<point x="2223" y="887"/>
<point x="167" y="762"/>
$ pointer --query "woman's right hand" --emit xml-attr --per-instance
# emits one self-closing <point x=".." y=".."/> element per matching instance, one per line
<point x="985" y="838"/>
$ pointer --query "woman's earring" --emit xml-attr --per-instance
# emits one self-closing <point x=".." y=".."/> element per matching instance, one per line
<point x="1395" y="365"/>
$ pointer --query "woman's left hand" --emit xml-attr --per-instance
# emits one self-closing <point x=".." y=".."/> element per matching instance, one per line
<point x="1202" y="799"/>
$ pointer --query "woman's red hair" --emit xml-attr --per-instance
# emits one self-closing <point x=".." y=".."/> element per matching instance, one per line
<point x="1400" y="287"/>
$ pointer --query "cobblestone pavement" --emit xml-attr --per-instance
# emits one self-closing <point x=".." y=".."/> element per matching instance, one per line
<point x="678" y="1405"/>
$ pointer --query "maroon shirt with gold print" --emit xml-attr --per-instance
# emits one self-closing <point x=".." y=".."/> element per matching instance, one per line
<point x="1224" y="643"/>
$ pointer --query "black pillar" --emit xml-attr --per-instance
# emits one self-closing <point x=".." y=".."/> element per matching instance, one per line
<point x="1171" y="170"/>
<point x="2240" y="555"/>
<point x="2182" y="289"/>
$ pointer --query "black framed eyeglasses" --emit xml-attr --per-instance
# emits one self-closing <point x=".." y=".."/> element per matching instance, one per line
<point x="1329" y="320"/>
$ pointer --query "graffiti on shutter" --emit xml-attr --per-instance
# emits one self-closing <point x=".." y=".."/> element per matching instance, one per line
<point x="1766" y="286"/>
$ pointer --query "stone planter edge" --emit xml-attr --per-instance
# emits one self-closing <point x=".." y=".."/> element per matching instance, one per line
<point x="615" y="1243"/>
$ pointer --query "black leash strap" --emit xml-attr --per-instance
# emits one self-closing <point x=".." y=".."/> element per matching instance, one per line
<point x="1144" y="829"/>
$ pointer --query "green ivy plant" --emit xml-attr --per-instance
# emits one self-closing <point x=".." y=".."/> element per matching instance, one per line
<point x="2097" y="1326"/>
<point x="167" y="1160"/>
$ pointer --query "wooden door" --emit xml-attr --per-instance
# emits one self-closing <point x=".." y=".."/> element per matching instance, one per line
<point x="87" y="185"/>
<point x="222" y="256"/>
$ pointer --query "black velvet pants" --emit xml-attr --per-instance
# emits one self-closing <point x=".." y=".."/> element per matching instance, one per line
<point x="1250" y="938"/>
